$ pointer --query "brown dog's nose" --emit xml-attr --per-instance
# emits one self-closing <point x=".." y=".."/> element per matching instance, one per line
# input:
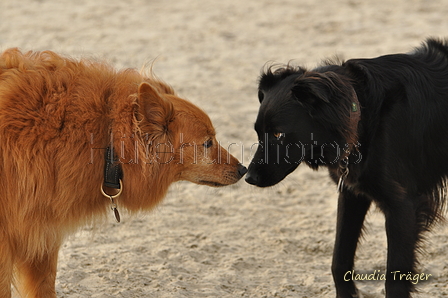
<point x="242" y="170"/>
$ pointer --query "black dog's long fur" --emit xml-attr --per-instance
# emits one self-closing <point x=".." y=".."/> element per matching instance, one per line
<point x="387" y="118"/>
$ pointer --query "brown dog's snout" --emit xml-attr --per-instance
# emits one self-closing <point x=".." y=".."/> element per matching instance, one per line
<point x="242" y="170"/>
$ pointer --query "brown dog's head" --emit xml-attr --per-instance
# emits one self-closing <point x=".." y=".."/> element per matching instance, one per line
<point x="182" y="136"/>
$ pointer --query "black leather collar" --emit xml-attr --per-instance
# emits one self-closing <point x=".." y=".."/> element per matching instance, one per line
<point x="113" y="172"/>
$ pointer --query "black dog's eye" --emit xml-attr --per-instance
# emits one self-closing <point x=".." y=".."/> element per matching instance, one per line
<point x="279" y="135"/>
<point x="208" y="143"/>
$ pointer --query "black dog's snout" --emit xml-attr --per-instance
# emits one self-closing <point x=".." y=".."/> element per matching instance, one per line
<point x="242" y="170"/>
<point x="252" y="178"/>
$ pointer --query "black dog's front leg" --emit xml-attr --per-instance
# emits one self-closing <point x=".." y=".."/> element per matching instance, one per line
<point x="402" y="236"/>
<point x="351" y="213"/>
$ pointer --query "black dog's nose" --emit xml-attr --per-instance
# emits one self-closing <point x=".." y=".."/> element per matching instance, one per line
<point x="252" y="178"/>
<point x="242" y="170"/>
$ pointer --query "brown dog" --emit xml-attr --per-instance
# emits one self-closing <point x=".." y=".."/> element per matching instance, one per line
<point x="57" y="117"/>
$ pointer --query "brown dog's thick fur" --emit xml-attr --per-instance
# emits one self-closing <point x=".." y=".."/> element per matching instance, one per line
<point x="57" y="115"/>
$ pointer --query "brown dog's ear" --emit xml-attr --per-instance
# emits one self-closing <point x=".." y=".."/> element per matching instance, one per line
<point x="157" y="110"/>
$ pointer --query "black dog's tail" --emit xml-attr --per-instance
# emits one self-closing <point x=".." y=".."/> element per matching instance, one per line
<point x="438" y="45"/>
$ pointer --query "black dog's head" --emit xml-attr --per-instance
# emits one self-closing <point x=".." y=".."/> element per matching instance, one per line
<point x="304" y="116"/>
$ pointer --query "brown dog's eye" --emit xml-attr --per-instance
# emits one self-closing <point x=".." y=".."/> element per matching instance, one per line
<point x="208" y="143"/>
<point x="279" y="135"/>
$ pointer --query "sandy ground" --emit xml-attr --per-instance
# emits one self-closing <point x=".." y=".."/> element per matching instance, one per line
<point x="238" y="241"/>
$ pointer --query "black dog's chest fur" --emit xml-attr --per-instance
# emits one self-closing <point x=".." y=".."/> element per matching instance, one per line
<point x="397" y="152"/>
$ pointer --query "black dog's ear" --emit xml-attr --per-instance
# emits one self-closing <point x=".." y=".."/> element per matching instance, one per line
<point x="272" y="76"/>
<point x="314" y="88"/>
<point x="260" y="95"/>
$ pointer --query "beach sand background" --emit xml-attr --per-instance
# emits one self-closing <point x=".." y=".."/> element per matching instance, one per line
<point x="237" y="241"/>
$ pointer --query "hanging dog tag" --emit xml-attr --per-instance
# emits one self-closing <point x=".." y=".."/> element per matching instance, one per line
<point x="113" y="206"/>
<point x="115" y="210"/>
<point x="340" y="184"/>
<point x="341" y="180"/>
<point x="117" y="215"/>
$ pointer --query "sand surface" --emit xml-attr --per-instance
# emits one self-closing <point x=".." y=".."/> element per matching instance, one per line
<point x="238" y="241"/>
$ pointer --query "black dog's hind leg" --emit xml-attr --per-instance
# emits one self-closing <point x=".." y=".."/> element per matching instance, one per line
<point x="352" y="210"/>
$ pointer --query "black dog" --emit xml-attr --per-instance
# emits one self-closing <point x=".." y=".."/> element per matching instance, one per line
<point x="381" y="128"/>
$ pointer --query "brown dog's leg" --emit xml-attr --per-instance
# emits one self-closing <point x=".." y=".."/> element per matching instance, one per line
<point x="6" y="268"/>
<point x="37" y="276"/>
